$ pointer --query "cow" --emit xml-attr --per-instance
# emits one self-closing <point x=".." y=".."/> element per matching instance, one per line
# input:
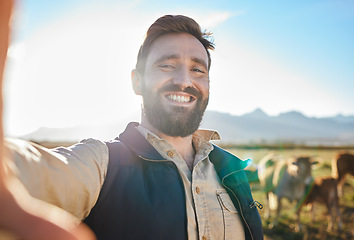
<point x="324" y="190"/>
<point x="342" y="165"/>
<point x="284" y="179"/>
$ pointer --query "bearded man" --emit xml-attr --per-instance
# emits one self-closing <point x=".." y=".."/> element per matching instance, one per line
<point x="161" y="178"/>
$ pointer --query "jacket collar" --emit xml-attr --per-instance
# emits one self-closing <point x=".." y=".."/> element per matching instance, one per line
<point x="136" y="142"/>
<point x="225" y="163"/>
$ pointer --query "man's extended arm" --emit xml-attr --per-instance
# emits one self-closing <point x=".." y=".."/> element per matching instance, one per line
<point x="21" y="215"/>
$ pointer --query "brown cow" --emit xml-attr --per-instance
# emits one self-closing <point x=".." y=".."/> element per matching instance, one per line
<point x="324" y="190"/>
<point x="341" y="165"/>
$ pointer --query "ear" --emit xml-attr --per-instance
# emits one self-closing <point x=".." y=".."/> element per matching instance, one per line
<point x="136" y="81"/>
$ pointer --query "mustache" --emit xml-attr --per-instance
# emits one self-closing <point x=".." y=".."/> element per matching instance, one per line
<point x="176" y="88"/>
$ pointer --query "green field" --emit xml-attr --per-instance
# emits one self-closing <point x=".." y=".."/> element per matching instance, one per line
<point x="310" y="230"/>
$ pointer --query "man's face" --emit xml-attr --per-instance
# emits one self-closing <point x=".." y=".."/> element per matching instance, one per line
<point x="175" y="85"/>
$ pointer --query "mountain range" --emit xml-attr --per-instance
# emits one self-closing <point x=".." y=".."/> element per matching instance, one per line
<point x="294" y="127"/>
<point x="253" y="127"/>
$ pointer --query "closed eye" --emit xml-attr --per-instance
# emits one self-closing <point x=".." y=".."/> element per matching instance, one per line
<point x="198" y="70"/>
<point x="166" y="66"/>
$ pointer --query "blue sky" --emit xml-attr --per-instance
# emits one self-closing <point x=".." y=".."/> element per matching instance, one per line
<point x="70" y="60"/>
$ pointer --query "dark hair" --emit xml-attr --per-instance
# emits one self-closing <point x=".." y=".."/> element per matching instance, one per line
<point x="172" y="24"/>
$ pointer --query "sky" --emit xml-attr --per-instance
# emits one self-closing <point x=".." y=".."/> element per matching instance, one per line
<point x="70" y="61"/>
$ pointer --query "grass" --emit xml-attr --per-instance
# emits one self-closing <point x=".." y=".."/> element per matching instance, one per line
<point x="317" y="229"/>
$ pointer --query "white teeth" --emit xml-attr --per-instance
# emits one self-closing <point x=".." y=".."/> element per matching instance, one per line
<point x="181" y="99"/>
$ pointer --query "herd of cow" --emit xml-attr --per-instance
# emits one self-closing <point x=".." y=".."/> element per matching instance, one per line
<point x="292" y="179"/>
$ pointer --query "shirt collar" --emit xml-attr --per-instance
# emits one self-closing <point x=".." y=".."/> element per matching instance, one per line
<point x="204" y="135"/>
<point x="201" y="142"/>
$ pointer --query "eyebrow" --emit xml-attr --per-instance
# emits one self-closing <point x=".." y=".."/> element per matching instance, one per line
<point x="200" y="61"/>
<point x="176" y="56"/>
<point x="167" y="57"/>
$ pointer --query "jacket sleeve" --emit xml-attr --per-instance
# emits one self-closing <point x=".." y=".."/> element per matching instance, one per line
<point x="70" y="178"/>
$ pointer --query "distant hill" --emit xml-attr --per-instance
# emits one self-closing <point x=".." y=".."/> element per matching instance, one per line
<point x="258" y="127"/>
<point x="253" y="127"/>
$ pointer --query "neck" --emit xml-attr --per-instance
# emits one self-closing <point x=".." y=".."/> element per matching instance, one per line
<point x="183" y="145"/>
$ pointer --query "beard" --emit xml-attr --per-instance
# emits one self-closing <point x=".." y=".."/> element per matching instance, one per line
<point x="176" y="121"/>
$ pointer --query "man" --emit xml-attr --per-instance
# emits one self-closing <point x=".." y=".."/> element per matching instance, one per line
<point x="162" y="178"/>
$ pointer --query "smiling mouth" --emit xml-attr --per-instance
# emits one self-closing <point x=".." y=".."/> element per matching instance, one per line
<point x="180" y="98"/>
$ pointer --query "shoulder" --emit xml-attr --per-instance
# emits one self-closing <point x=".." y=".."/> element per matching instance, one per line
<point x="120" y="154"/>
<point x="85" y="149"/>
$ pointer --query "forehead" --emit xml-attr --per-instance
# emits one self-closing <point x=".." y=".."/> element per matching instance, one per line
<point x="179" y="44"/>
<point x="305" y="160"/>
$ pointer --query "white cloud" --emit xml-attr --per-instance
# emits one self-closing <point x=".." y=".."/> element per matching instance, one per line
<point x="212" y="20"/>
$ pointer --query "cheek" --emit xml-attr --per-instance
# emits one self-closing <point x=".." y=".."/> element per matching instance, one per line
<point x="155" y="79"/>
<point x="203" y="87"/>
<point x="148" y="84"/>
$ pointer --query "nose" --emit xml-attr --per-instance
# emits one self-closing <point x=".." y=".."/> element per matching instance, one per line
<point x="183" y="78"/>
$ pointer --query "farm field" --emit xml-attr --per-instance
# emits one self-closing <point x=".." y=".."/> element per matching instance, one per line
<point x="310" y="230"/>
